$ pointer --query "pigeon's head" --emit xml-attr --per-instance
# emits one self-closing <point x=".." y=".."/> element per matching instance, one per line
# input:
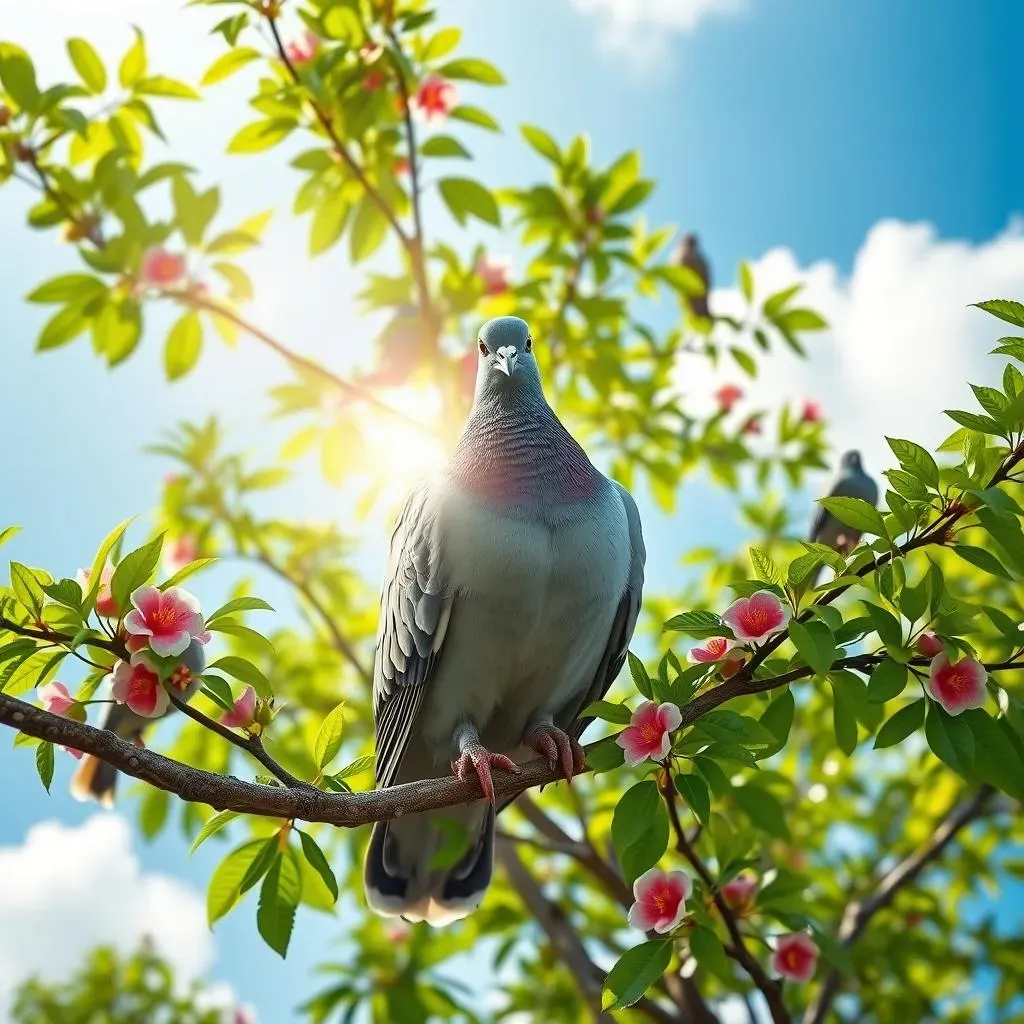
<point x="851" y="462"/>
<point x="506" y="364"/>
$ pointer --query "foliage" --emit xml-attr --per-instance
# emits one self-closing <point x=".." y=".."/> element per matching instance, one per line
<point x="832" y="761"/>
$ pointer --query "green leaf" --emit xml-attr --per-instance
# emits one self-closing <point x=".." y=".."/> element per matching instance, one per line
<point x="888" y="627"/>
<point x="844" y="714"/>
<point x="950" y="739"/>
<point x="328" y="738"/>
<point x="87" y="63"/>
<point x="19" y="79"/>
<point x="196" y="565"/>
<point x="153" y="812"/>
<point x="328" y="223"/>
<point x="240" y="604"/>
<point x="996" y="757"/>
<point x="746" y="277"/>
<point x="474" y="115"/>
<point x="916" y="461"/>
<point x="888" y="680"/>
<point x="318" y="862"/>
<point x="261" y="135"/>
<point x="218" y="690"/>
<point x="1005" y="309"/>
<point x="465" y="197"/>
<point x="706" y="948"/>
<point x="27" y="588"/>
<point x="763" y="809"/>
<point x="20" y="676"/>
<point x="116" y="331"/>
<point x="194" y="210"/>
<point x="65" y="592"/>
<point x="44" y="764"/>
<point x="640" y="829"/>
<point x="228" y="63"/>
<point x="246" y="671"/>
<point x="135" y="570"/>
<point x="778" y="717"/>
<point x="639" y="674"/>
<point x="605" y="755"/>
<point x="279" y="899"/>
<point x="607" y="712"/>
<point x="369" y="229"/>
<point x="225" y="889"/>
<point x="694" y="790"/>
<point x="543" y="143"/>
<point x="855" y="512"/>
<point x="815" y="644"/>
<point x="699" y="624"/>
<point x="99" y="563"/>
<point x="444" y="146"/>
<point x="764" y="568"/>
<point x="8" y="532"/>
<point x="441" y="44"/>
<point x="133" y="66"/>
<point x="634" y="973"/>
<point x="473" y="70"/>
<point x="64" y="326"/>
<point x="973" y="421"/>
<point x="212" y="826"/>
<point x="183" y="345"/>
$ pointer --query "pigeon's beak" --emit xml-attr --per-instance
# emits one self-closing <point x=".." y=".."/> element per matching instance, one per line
<point x="505" y="359"/>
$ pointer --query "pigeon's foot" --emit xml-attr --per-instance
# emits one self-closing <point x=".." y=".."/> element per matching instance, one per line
<point x="478" y="759"/>
<point x="557" y="746"/>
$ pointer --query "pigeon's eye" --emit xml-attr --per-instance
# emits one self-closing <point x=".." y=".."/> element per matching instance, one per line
<point x="529" y="343"/>
<point x="483" y="348"/>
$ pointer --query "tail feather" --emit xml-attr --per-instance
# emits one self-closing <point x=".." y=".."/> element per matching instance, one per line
<point x="95" y="779"/>
<point x="400" y="883"/>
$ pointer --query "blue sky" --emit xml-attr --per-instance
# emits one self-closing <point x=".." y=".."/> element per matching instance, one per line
<point x="867" y="147"/>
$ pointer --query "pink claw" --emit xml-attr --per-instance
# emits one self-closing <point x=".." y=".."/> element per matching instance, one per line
<point x="558" y="747"/>
<point x="480" y="760"/>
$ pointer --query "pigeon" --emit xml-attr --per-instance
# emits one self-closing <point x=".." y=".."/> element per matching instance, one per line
<point x="511" y="595"/>
<point x="95" y="779"/>
<point x="689" y="254"/>
<point x="851" y="482"/>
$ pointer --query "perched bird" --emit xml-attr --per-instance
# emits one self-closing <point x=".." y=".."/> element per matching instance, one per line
<point x="850" y="482"/>
<point x="95" y="779"/>
<point x="688" y="254"/>
<point x="512" y="592"/>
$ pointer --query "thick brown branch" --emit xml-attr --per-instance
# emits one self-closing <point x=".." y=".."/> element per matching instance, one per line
<point x="858" y="913"/>
<point x="769" y="988"/>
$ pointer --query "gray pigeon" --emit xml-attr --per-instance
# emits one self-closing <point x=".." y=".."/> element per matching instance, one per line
<point x="850" y="482"/>
<point x="689" y="254"/>
<point x="511" y="595"/>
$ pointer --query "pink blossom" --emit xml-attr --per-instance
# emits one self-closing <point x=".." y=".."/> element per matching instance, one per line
<point x="811" y="413"/>
<point x="161" y="268"/>
<point x="303" y="49"/>
<point x="956" y="687"/>
<point x="105" y="603"/>
<point x="647" y="734"/>
<point x="494" y="273"/>
<point x="795" y="957"/>
<point x="728" y="395"/>
<point x="435" y="99"/>
<point x="374" y="80"/>
<point x="244" y="713"/>
<point x="170" y="619"/>
<point x="660" y="898"/>
<point x="179" y="553"/>
<point x="714" y="649"/>
<point x="244" y="1015"/>
<point x="397" y="933"/>
<point x="137" y="684"/>
<point x="55" y="698"/>
<point x="401" y="166"/>
<point x="928" y="645"/>
<point x="739" y="893"/>
<point x="757" y="617"/>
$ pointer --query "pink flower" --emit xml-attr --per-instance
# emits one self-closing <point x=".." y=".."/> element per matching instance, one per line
<point x="714" y="649"/>
<point x="244" y="1015"/>
<point x="757" y="617"/>
<point x="728" y="395"/>
<point x="170" y="619"/>
<point x="397" y="933"/>
<point x="956" y="687"/>
<point x="304" y="49"/>
<point x="660" y="898"/>
<point x="136" y="684"/>
<point x="401" y="166"/>
<point x="244" y="713"/>
<point x="179" y="553"/>
<point x="55" y="698"/>
<point x="494" y="272"/>
<point x="811" y="413"/>
<point x="373" y="80"/>
<point x="161" y="268"/>
<point x="928" y="645"/>
<point x="739" y="893"/>
<point x="105" y="603"/>
<point x="435" y="99"/>
<point x="647" y="734"/>
<point x="795" y="957"/>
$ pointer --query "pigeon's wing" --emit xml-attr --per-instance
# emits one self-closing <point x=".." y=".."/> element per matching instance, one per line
<point x="414" y="616"/>
<point x="614" y="655"/>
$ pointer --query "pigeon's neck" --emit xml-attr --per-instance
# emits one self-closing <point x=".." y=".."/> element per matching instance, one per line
<point x="519" y="453"/>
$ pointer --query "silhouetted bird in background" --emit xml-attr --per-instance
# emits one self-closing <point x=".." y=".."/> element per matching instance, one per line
<point x="688" y="254"/>
<point x="851" y="482"/>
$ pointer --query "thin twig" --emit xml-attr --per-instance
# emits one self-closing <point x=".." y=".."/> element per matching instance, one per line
<point x="858" y="913"/>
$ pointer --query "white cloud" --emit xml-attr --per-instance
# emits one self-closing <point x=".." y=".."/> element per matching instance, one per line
<point x="903" y="341"/>
<point x="65" y="890"/>
<point x="640" y="27"/>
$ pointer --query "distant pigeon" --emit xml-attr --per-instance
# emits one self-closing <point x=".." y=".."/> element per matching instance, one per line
<point x="689" y="254"/>
<point x="851" y="482"/>
<point x="510" y="599"/>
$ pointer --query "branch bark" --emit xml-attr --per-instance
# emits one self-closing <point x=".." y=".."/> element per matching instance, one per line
<point x="859" y="912"/>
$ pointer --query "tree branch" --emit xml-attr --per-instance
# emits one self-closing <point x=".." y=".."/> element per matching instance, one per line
<point x="563" y="937"/>
<point x="769" y="988"/>
<point x="858" y="913"/>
